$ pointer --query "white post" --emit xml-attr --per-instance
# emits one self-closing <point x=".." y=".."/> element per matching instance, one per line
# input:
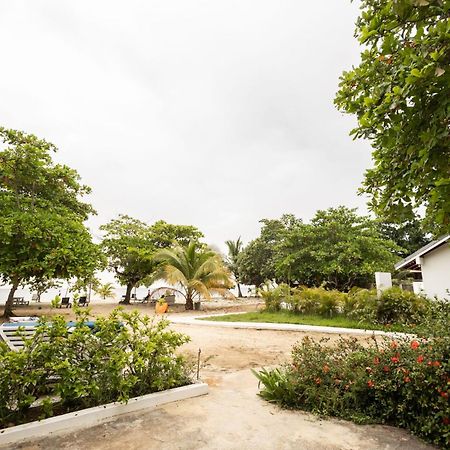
<point x="383" y="281"/>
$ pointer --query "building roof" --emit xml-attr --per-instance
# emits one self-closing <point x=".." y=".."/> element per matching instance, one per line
<point x="410" y="263"/>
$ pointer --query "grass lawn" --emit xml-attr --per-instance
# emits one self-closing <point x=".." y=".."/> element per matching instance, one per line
<point x="289" y="317"/>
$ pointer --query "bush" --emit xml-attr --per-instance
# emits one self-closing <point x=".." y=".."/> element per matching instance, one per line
<point x="403" y="383"/>
<point x="395" y="306"/>
<point x="126" y="355"/>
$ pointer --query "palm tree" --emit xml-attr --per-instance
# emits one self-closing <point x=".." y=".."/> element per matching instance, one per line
<point x="197" y="270"/>
<point x="105" y="290"/>
<point x="234" y="250"/>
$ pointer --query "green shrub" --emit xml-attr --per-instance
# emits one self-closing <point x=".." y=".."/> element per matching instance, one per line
<point x="126" y="355"/>
<point x="273" y="297"/>
<point x="403" y="383"/>
<point x="399" y="306"/>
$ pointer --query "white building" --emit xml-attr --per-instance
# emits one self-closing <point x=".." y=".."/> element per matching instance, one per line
<point x="433" y="262"/>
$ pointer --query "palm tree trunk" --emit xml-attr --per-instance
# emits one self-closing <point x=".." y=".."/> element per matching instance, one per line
<point x="189" y="301"/>
<point x="8" y="312"/>
<point x="239" y="290"/>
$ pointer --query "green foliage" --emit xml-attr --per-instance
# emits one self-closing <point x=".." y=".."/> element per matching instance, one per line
<point x="338" y="249"/>
<point x="409" y="235"/>
<point x="41" y="226"/>
<point x="197" y="270"/>
<point x="130" y="245"/>
<point x="402" y="383"/>
<point x="234" y="251"/>
<point x="257" y="261"/>
<point x="126" y="355"/>
<point x="105" y="290"/>
<point x="400" y="94"/>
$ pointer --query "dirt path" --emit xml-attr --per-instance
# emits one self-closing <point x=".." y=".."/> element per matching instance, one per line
<point x="231" y="416"/>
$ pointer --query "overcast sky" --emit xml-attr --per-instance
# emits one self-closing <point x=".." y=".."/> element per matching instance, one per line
<point x="211" y="113"/>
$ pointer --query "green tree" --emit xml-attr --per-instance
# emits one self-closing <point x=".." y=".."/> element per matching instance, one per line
<point x="105" y="290"/>
<point x="129" y="248"/>
<point x="409" y="235"/>
<point x="42" y="231"/>
<point x="234" y="250"/>
<point x="130" y="245"/>
<point x="338" y="249"/>
<point x="197" y="270"/>
<point x="257" y="261"/>
<point x="400" y="93"/>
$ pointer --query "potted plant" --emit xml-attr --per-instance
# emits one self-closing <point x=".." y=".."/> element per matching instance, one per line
<point x="161" y="306"/>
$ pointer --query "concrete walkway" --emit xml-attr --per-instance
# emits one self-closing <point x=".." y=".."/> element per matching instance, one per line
<point x="196" y="320"/>
<point x="232" y="417"/>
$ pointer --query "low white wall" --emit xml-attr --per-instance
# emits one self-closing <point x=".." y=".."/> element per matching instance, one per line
<point x="98" y="414"/>
<point x="436" y="272"/>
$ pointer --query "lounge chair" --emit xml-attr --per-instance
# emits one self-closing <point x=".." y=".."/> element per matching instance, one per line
<point x="83" y="301"/>
<point x="65" y="301"/>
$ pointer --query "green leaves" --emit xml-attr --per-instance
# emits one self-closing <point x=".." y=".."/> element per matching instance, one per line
<point x="41" y="226"/>
<point x="126" y="355"/>
<point x="401" y="90"/>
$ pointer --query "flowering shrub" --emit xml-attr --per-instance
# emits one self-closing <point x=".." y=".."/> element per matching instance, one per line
<point x="125" y="355"/>
<point x="405" y="382"/>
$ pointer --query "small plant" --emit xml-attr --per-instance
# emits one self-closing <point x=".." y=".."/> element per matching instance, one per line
<point x="56" y="302"/>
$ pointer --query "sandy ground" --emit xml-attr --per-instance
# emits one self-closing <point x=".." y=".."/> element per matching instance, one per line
<point x="231" y="416"/>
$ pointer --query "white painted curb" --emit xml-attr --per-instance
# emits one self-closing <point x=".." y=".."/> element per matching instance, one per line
<point x="93" y="416"/>
<point x="195" y="320"/>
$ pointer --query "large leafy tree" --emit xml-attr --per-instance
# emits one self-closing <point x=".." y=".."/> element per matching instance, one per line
<point x="409" y="235"/>
<point x="257" y="261"/>
<point x="129" y="248"/>
<point x="42" y="231"/>
<point x="400" y="93"/>
<point x="196" y="270"/>
<point x="234" y="250"/>
<point x="338" y="249"/>
<point x="130" y="245"/>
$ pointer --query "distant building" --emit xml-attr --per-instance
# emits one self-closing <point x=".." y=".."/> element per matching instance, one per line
<point x="432" y="262"/>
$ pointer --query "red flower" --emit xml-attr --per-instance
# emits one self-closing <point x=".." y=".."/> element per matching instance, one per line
<point x="318" y="380"/>
<point x="420" y="359"/>
<point x="415" y="345"/>
<point x="376" y="360"/>
<point x="446" y="421"/>
<point x="386" y="368"/>
<point x="370" y="383"/>
<point x="394" y="344"/>
<point x="406" y="379"/>
<point x="436" y="363"/>
<point x="325" y="368"/>
<point x="394" y="359"/>
<point x="444" y="394"/>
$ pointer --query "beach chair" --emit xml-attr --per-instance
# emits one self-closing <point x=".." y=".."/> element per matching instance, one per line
<point x="83" y="301"/>
<point x="65" y="301"/>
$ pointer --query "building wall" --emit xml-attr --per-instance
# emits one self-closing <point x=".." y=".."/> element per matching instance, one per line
<point x="436" y="272"/>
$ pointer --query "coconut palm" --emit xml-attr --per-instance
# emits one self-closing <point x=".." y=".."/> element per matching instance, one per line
<point x="234" y="250"/>
<point x="196" y="270"/>
<point x="105" y="290"/>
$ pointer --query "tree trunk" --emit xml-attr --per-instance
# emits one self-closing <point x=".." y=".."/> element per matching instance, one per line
<point x="126" y="300"/>
<point x="239" y="290"/>
<point x="189" y="302"/>
<point x="8" y="312"/>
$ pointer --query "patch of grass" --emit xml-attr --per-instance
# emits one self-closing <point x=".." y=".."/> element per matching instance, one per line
<point x="301" y="319"/>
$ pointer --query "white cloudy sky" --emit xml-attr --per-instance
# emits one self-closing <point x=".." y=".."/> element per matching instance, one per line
<point x="212" y="113"/>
